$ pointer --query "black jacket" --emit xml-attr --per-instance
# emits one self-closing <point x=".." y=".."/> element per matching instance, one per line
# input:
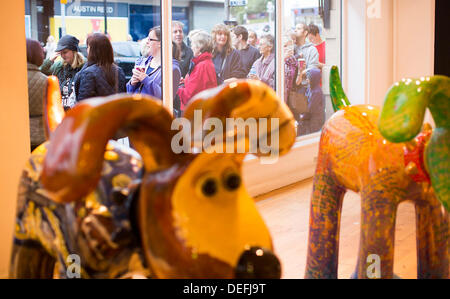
<point x="228" y="66"/>
<point x="186" y="57"/>
<point x="91" y="82"/>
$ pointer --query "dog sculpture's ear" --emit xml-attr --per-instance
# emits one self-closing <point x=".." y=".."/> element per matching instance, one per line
<point x="404" y="109"/>
<point x="405" y="104"/>
<point x="53" y="108"/>
<point x="402" y="117"/>
<point x="339" y="99"/>
<point x="242" y="102"/>
<point x="73" y="163"/>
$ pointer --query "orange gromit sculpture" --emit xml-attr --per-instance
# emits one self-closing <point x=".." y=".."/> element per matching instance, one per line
<point x="100" y="210"/>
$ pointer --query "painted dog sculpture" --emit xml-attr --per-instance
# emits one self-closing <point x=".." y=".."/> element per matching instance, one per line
<point x="354" y="155"/>
<point x="157" y="214"/>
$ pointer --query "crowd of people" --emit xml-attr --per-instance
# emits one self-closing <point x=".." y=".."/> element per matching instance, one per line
<point x="211" y="59"/>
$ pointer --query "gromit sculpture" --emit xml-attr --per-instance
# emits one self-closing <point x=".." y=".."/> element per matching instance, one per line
<point x="91" y="206"/>
<point x="355" y="156"/>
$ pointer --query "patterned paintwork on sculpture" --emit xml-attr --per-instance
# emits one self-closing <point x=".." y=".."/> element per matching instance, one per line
<point x="96" y="227"/>
<point x="353" y="155"/>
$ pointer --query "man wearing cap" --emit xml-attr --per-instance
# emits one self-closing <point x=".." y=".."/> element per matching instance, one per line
<point x="70" y="63"/>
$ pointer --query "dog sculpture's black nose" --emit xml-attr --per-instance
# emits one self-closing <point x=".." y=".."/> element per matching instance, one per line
<point x="258" y="263"/>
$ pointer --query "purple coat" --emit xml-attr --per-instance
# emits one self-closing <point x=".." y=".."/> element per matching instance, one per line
<point x="313" y="120"/>
<point x="265" y="69"/>
<point x="152" y="84"/>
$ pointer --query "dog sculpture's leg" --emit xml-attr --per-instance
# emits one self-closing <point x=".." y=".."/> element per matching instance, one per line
<point x="325" y="215"/>
<point x="432" y="229"/>
<point x="378" y="211"/>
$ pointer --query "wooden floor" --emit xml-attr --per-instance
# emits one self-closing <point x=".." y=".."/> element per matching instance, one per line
<point x="286" y="212"/>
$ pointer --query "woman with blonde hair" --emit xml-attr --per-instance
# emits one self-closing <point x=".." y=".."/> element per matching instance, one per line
<point x="227" y="61"/>
<point x="66" y="68"/>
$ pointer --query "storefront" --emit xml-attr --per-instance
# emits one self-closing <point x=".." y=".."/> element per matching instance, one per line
<point x="374" y="43"/>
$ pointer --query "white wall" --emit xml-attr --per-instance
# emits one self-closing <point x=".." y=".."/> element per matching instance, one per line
<point x="385" y="41"/>
<point x="354" y="50"/>
<point x="414" y="38"/>
<point x="380" y="49"/>
<point x="332" y="37"/>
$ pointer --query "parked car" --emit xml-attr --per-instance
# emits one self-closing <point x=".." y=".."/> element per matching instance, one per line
<point x="125" y="54"/>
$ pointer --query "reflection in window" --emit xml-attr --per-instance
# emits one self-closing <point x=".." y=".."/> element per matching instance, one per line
<point x="125" y="23"/>
<point x="311" y="45"/>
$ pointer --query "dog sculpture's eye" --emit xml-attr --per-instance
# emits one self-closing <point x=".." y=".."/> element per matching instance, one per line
<point x="232" y="181"/>
<point x="209" y="187"/>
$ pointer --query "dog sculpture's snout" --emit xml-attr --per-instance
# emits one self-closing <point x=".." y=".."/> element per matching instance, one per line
<point x="258" y="263"/>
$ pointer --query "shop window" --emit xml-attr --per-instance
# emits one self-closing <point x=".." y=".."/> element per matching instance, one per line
<point x="126" y="25"/>
<point x="239" y="32"/>
<point x="311" y="45"/>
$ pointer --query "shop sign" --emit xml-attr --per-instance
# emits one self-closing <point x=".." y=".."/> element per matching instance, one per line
<point x="238" y="2"/>
<point x="93" y="9"/>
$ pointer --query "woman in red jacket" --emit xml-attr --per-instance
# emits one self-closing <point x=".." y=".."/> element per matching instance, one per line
<point x="203" y="75"/>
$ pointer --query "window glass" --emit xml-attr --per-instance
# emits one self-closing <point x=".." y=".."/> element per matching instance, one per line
<point x="125" y="24"/>
<point x="224" y="33"/>
<point x="239" y="35"/>
<point x="311" y="45"/>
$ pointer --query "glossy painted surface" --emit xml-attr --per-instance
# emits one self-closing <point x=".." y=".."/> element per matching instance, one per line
<point x="246" y="99"/>
<point x="159" y="214"/>
<point x="353" y="155"/>
<point x="53" y="109"/>
<point x="96" y="227"/>
<point x="339" y="99"/>
<point x="402" y="117"/>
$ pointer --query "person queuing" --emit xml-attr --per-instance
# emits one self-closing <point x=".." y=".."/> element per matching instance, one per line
<point x="227" y="60"/>
<point x="37" y="88"/>
<point x="249" y="54"/>
<point x="65" y="68"/>
<point x="314" y="37"/>
<point x="186" y="52"/>
<point x="203" y="74"/>
<point x="290" y="68"/>
<point x="304" y="49"/>
<point x="176" y="58"/>
<point x="100" y="76"/>
<point x="50" y="47"/>
<point x="264" y="67"/>
<point x="252" y="38"/>
<point x="313" y="120"/>
<point x="146" y="77"/>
